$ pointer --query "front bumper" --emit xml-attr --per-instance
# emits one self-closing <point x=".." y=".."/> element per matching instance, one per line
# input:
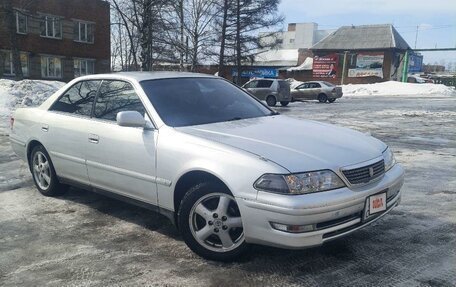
<point x="333" y="213"/>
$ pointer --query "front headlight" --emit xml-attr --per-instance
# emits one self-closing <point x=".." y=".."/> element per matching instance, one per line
<point x="299" y="183"/>
<point x="389" y="159"/>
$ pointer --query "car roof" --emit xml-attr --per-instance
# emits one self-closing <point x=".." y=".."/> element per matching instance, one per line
<point x="144" y="76"/>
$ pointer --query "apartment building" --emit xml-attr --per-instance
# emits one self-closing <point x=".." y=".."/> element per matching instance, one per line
<point x="59" y="39"/>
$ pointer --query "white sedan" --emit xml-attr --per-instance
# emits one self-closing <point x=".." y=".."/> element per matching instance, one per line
<point x="227" y="170"/>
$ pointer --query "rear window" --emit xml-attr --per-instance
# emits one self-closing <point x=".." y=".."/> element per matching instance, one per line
<point x="328" y="84"/>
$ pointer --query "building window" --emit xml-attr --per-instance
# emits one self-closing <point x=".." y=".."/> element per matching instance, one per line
<point x="292" y="41"/>
<point x="51" y="67"/>
<point x="8" y="67"/>
<point x="51" y="27"/>
<point x="21" y="23"/>
<point x="83" y="32"/>
<point x="83" y="67"/>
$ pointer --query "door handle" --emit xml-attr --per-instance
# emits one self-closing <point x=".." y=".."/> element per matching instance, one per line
<point x="45" y="128"/>
<point x="93" y="138"/>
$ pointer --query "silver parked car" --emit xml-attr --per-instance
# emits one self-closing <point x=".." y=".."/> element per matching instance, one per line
<point x="224" y="167"/>
<point x="317" y="90"/>
<point x="270" y="90"/>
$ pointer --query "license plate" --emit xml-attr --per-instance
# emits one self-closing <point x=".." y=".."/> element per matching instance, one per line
<point x="375" y="204"/>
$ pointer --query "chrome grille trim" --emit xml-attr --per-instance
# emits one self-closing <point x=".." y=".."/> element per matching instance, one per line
<point x="362" y="175"/>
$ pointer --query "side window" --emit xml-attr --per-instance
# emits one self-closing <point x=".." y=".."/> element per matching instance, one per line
<point x="114" y="97"/>
<point x="251" y="85"/>
<point x="303" y="86"/>
<point x="78" y="99"/>
<point x="264" y="84"/>
<point x="316" y="85"/>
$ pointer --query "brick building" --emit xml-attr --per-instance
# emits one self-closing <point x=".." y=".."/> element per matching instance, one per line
<point x="59" y="39"/>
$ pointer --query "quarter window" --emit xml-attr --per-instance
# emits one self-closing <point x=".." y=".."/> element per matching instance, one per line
<point x="264" y="84"/>
<point x="21" y="23"/>
<point x="78" y="99"/>
<point x="51" y="27"/>
<point x="51" y="67"/>
<point x="83" y="67"/>
<point x="83" y="32"/>
<point x="114" y="97"/>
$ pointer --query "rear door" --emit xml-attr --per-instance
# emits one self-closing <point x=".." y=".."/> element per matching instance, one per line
<point x="302" y="92"/>
<point x="64" y="130"/>
<point x="263" y="89"/>
<point x="121" y="159"/>
<point x="315" y="90"/>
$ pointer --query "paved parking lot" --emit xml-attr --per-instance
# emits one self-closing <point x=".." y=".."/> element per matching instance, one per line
<point x="83" y="239"/>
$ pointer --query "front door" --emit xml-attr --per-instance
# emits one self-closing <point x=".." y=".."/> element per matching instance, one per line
<point x="121" y="159"/>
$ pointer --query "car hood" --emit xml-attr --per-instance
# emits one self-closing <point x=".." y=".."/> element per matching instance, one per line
<point x="297" y="145"/>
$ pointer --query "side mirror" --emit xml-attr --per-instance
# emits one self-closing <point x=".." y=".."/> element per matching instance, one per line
<point x="130" y="119"/>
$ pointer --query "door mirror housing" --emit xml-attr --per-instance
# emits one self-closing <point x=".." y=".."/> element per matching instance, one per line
<point x="131" y="119"/>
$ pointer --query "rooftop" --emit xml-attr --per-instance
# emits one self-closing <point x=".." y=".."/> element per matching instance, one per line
<point x="364" y="37"/>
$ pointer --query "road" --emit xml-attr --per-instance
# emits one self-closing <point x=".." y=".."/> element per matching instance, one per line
<point x="85" y="239"/>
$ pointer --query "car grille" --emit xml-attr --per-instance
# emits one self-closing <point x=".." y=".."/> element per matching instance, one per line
<point x="366" y="173"/>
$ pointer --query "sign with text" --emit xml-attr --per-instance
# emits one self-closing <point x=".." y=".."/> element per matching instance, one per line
<point x="325" y="66"/>
<point x="367" y="65"/>
<point x="256" y="73"/>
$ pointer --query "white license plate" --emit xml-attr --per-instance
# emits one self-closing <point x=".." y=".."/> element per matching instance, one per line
<point x="375" y="204"/>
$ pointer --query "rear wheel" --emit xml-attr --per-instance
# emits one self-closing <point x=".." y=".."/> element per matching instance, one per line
<point x="271" y="101"/>
<point x="322" y="98"/>
<point x="284" y="103"/>
<point x="332" y="100"/>
<point x="43" y="173"/>
<point x="210" y="223"/>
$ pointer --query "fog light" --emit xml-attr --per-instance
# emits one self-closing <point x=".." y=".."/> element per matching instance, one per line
<point x="293" y="228"/>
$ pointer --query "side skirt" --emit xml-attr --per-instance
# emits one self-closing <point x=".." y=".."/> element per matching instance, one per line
<point x="167" y="213"/>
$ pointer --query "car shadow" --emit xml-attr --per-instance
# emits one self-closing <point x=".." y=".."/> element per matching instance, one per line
<point x="122" y="210"/>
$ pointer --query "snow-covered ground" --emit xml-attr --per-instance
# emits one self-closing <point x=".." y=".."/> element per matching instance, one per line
<point x="391" y="88"/>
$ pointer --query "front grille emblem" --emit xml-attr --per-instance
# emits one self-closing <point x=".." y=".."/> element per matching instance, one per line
<point x="371" y="171"/>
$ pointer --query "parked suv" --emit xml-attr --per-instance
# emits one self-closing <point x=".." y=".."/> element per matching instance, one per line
<point x="270" y="90"/>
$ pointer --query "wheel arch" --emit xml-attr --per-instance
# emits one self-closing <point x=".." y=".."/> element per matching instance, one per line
<point x="30" y="146"/>
<point x="190" y="179"/>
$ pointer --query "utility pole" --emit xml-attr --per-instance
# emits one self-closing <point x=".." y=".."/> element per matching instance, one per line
<point x="416" y="36"/>
<point x="344" y="65"/>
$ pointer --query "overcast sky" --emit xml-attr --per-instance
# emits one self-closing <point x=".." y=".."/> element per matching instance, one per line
<point x="436" y="19"/>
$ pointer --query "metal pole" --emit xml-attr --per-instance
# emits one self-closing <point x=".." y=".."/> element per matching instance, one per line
<point x="405" y="67"/>
<point x="342" y="81"/>
<point x="416" y="36"/>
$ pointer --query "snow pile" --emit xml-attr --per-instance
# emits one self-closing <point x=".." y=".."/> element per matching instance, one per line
<point x="14" y="94"/>
<point x="393" y="88"/>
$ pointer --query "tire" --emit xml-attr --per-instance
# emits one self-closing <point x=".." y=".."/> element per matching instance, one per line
<point x="43" y="173"/>
<point x="209" y="209"/>
<point x="271" y="101"/>
<point x="332" y="100"/>
<point x="284" y="103"/>
<point x="322" y="98"/>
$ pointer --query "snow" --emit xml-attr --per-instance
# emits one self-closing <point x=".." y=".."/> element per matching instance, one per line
<point x="392" y="88"/>
<point x="15" y="94"/>
<point x="306" y="65"/>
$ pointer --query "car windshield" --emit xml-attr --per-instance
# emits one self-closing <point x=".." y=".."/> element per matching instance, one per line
<point x="328" y="84"/>
<point x="195" y="101"/>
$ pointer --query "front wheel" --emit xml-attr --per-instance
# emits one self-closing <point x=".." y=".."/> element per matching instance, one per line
<point x="210" y="223"/>
<point x="332" y="100"/>
<point x="43" y="173"/>
<point x="271" y="101"/>
<point x="284" y="103"/>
